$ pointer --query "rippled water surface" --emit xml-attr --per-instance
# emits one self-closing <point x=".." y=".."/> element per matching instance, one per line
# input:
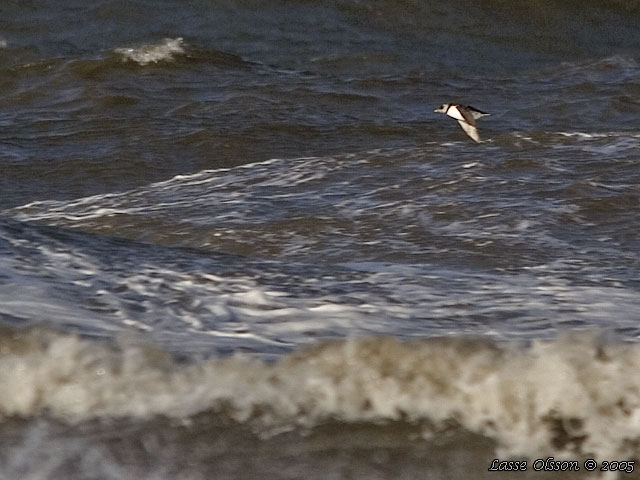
<point x="230" y="230"/>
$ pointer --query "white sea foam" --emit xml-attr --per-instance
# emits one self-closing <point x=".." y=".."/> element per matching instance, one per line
<point x="320" y="211"/>
<point x="153" y="53"/>
<point x="571" y="396"/>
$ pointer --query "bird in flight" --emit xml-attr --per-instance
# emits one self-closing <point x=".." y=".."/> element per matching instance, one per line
<point x="466" y="117"/>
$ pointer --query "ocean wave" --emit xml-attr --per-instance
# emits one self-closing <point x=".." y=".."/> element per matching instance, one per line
<point x="584" y="73"/>
<point x="349" y="195"/>
<point x="574" y="395"/>
<point x="164" y="51"/>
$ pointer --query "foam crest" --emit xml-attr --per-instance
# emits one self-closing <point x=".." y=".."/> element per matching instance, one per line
<point x="153" y="53"/>
<point x="570" y="396"/>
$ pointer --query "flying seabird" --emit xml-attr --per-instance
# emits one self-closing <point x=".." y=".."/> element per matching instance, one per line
<point x="466" y="117"/>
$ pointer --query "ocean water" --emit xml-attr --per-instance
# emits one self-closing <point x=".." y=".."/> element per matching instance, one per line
<point x="236" y="241"/>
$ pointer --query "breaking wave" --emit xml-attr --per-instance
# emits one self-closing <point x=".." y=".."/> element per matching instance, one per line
<point x="574" y="395"/>
<point x="164" y="51"/>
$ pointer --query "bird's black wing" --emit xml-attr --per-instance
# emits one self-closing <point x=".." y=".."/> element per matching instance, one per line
<point x="468" y="116"/>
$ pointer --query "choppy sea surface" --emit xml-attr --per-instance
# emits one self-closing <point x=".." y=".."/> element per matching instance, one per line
<point x="236" y="242"/>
